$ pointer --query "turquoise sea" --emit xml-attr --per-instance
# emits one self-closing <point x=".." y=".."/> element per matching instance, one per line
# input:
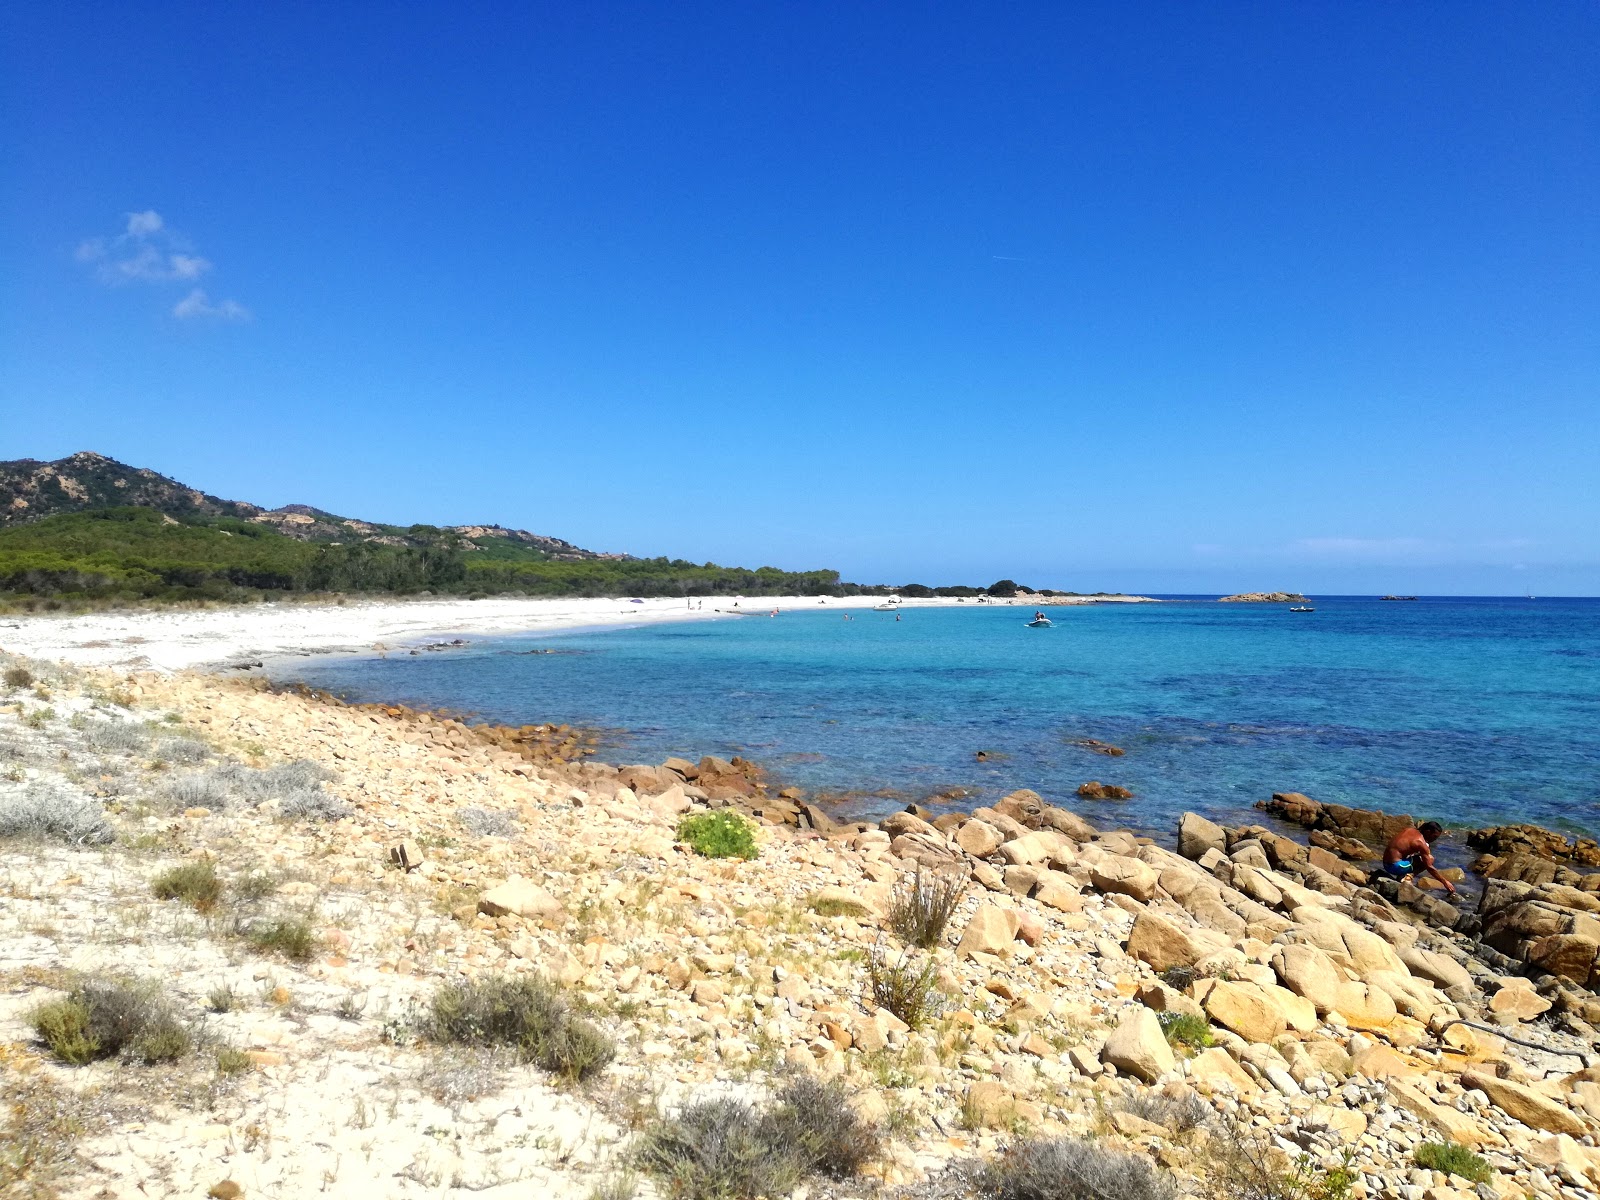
<point x="1475" y="711"/>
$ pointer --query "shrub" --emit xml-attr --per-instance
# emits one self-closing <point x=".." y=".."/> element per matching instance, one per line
<point x="255" y="885"/>
<point x="231" y="1060"/>
<point x="312" y="804"/>
<point x="460" y="1076"/>
<point x="816" y="1120"/>
<point x="1186" y="1029"/>
<point x="115" y="735"/>
<point x="716" y="1150"/>
<point x="618" y="1187"/>
<point x="1181" y="1114"/>
<point x="720" y="834"/>
<point x="278" y="782"/>
<point x="197" y="789"/>
<point x="488" y="822"/>
<point x="222" y="998"/>
<point x="100" y="1017"/>
<point x="919" y="912"/>
<point x="18" y="677"/>
<point x="1454" y="1160"/>
<point x="904" y="988"/>
<point x="528" y="1014"/>
<point x="1179" y="978"/>
<point x="195" y="883"/>
<point x="1246" y="1165"/>
<point x="1069" y="1169"/>
<point x="183" y="750"/>
<point x="53" y="814"/>
<point x="287" y="937"/>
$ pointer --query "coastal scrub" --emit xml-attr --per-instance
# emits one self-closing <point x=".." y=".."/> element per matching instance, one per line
<point x="720" y="834"/>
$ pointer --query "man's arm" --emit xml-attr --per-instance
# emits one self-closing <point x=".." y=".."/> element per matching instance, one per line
<point x="1427" y="862"/>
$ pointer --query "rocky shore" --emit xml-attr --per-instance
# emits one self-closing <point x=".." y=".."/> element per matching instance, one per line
<point x="1245" y="998"/>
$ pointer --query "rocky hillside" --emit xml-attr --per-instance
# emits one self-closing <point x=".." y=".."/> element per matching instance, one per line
<point x="31" y="491"/>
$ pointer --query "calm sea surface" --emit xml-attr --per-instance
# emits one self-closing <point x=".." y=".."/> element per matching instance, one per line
<point x="1475" y="711"/>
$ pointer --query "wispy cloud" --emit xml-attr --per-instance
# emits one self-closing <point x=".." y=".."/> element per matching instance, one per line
<point x="148" y="250"/>
<point x="1356" y="547"/>
<point x="197" y="305"/>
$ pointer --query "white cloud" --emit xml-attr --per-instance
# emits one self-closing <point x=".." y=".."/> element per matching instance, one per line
<point x="143" y="224"/>
<point x="148" y="250"/>
<point x="198" y="306"/>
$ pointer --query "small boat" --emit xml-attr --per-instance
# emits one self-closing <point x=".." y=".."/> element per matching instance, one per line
<point x="1303" y="608"/>
<point x="1040" y="623"/>
<point x="884" y="607"/>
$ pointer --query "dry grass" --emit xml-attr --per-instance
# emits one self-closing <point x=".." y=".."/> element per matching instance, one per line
<point x="922" y="907"/>
<point x="903" y="987"/>
<point x="45" y="812"/>
<point x="195" y="883"/>
<point x="1069" y="1169"/>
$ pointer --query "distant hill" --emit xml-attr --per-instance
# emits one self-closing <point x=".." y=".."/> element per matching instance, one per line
<point x="31" y="491"/>
<point x="90" y="529"/>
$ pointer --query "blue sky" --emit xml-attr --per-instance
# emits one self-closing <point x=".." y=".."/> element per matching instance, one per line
<point x="1161" y="297"/>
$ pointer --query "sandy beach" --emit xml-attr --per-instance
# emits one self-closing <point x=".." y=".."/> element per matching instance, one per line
<point x="186" y="639"/>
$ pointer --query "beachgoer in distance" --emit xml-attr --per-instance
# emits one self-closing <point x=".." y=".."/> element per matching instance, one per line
<point x="1410" y="852"/>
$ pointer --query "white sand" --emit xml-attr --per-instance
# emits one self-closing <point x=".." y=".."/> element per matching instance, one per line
<point x="183" y="639"/>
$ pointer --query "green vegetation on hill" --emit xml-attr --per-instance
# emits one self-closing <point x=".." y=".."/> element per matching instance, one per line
<point x="138" y="553"/>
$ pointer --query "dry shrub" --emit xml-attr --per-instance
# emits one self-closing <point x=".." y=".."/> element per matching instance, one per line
<point x="44" y="812"/>
<point x="525" y="1012"/>
<point x="115" y="735"/>
<point x="1069" y="1169"/>
<point x="725" y="1148"/>
<point x="488" y="822"/>
<point x="287" y="937"/>
<point x="920" y="910"/>
<point x="1182" y="1113"/>
<point x="1246" y="1165"/>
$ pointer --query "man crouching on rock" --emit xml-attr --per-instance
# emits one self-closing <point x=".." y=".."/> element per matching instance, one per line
<point x="1410" y="852"/>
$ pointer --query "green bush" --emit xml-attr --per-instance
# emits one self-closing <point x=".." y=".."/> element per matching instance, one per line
<point x="904" y="988"/>
<point x="1454" y="1160"/>
<point x="103" y="1016"/>
<point x="1186" y="1029"/>
<point x="527" y="1013"/>
<point x="231" y="1060"/>
<point x="195" y="883"/>
<point x="288" y="937"/>
<point x="720" y="834"/>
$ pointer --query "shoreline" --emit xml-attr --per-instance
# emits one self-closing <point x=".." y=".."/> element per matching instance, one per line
<point x="219" y="638"/>
<point x="436" y="853"/>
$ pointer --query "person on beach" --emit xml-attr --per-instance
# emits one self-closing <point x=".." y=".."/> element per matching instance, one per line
<point x="1410" y="852"/>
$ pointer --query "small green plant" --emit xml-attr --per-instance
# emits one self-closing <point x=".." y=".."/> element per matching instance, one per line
<point x="39" y="718"/>
<point x="231" y="1060"/>
<point x="920" y="910"/>
<point x="903" y="987"/>
<point x="836" y="906"/>
<point x="720" y="834"/>
<point x="1186" y="1029"/>
<point x="103" y="1016"/>
<point x="222" y="998"/>
<point x="255" y="885"/>
<point x="287" y="937"/>
<point x="195" y="883"/>
<point x="528" y="1014"/>
<point x="618" y="1187"/>
<point x="1454" y="1160"/>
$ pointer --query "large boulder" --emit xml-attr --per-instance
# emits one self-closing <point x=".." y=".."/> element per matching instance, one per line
<point x="521" y="898"/>
<point x="1128" y="876"/>
<point x="991" y="930"/>
<point x="979" y="838"/>
<point x="1248" y="1010"/>
<point x="1196" y="835"/>
<point x="1309" y="972"/>
<point x="1138" y="1047"/>
<point x="1526" y="1105"/>
<point x="1163" y="943"/>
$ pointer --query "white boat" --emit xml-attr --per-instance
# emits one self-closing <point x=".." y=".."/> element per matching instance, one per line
<point x="884" y="607"/>
<point x="1040" y="623"/>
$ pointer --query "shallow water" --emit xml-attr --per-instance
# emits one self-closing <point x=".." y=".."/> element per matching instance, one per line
<point x="1475" y="711"/>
